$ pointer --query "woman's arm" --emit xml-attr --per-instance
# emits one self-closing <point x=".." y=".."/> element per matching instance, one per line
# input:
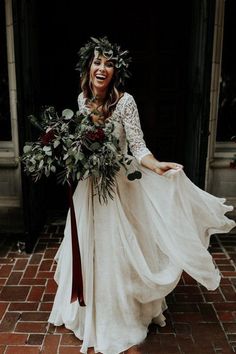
<point x="136" y="142"/>
<point x="149" y="161"/>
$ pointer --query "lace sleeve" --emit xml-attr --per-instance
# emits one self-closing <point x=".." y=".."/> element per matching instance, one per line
<point x="81" y="103"/>
<point x="134" y="134"/>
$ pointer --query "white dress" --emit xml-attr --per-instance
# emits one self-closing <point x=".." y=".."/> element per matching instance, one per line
<point x="134" y="249"/>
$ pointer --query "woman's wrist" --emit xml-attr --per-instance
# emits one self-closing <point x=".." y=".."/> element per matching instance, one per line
<point x="155" y="165"/>
<point x="150" y="162"/>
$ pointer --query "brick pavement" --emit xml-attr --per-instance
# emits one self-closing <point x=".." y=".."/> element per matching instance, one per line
<point x="198" y="321"/>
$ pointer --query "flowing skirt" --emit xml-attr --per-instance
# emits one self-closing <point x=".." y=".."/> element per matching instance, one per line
<point x="133" y="252"/>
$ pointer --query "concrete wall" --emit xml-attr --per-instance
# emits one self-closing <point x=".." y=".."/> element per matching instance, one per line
<point x="10" y="174"/>
<point x="220" y="177"/>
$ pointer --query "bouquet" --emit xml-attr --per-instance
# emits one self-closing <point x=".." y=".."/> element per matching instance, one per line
<point x="75" y="148"/>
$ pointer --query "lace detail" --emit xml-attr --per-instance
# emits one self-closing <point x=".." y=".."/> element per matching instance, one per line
<point x="81" y="103"/>
<point x="126" y="113"/>
<point x="134" y="134"/>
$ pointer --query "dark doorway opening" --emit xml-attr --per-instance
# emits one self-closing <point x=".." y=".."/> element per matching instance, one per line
<point x="159" y="44"/>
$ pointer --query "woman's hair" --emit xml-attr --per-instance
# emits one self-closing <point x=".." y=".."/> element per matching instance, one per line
<point x="121" y="62"/>
<point x="113" y="93"/>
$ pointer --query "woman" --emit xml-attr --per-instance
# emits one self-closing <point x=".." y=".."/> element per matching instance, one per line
<point x="134" y="249"/>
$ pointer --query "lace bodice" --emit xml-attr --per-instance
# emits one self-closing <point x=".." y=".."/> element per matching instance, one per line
<point x="128" y="127"/>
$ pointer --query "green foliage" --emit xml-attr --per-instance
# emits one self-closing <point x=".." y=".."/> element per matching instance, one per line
<point x="75" y="148"/>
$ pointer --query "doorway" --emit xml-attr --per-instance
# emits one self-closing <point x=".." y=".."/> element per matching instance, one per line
<point x="158" y="42"/>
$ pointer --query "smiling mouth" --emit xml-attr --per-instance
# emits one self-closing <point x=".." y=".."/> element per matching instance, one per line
<point x="100" y="77"/>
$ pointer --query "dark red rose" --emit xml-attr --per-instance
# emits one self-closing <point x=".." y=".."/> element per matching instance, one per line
<point x="98" y="135"/>
<point x="47" y="137"/>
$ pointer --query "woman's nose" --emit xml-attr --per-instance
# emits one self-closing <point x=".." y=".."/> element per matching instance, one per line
<point x="102" y="66"/>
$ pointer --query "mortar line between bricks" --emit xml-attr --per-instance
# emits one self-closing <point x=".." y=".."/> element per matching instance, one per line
<point x="36" y="244"/>
<point x="42" y="345"/>
<point x="221" y="292"/>
<point x="45" y="335"/>
<point x="180" y="350"/>
<point x="27" y="339"/>
<point x="223" y="248"/>
<point x="221" y="325"/>
<point x="59" y="344"/>
<point x="220" y="322"/>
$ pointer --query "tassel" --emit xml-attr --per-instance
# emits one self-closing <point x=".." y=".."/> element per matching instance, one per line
<point x="77" y="278"/>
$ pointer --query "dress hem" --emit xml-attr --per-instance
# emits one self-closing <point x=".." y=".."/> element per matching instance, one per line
<point x="97" y="350"/>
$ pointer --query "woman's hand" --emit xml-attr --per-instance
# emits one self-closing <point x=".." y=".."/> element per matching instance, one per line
<point x="153" y="164"/>
<point x="162" y="167"/>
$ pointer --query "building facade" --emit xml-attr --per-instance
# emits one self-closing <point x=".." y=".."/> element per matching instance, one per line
<point x="220" y="165"/>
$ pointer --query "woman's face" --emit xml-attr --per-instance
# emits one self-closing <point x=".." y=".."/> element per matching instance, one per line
<point x="101" y="73"/>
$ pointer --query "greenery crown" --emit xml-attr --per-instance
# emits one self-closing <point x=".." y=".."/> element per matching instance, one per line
<point x="113" y="52"/>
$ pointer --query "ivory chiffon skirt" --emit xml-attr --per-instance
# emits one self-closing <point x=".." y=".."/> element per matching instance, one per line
<point x="133" y="252"/>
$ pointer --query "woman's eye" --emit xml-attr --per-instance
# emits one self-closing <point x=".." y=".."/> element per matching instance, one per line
<point x="109" y="64"/>
<point x="96" y="62"/>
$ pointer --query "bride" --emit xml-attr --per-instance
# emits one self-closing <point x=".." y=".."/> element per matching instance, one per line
<point x="135" y="248"/>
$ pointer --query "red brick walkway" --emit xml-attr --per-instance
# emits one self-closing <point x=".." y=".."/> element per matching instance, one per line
<point x="198" y="321"/>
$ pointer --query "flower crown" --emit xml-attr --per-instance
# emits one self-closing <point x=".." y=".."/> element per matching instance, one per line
<point x="113" y="52"/>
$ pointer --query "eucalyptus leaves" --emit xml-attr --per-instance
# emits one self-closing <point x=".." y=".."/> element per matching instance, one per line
<point x="75" y="148"/>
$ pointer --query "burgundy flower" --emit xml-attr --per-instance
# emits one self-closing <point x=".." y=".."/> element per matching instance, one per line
<point x="47" y="137"/>
<point x="98" y="135"/>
